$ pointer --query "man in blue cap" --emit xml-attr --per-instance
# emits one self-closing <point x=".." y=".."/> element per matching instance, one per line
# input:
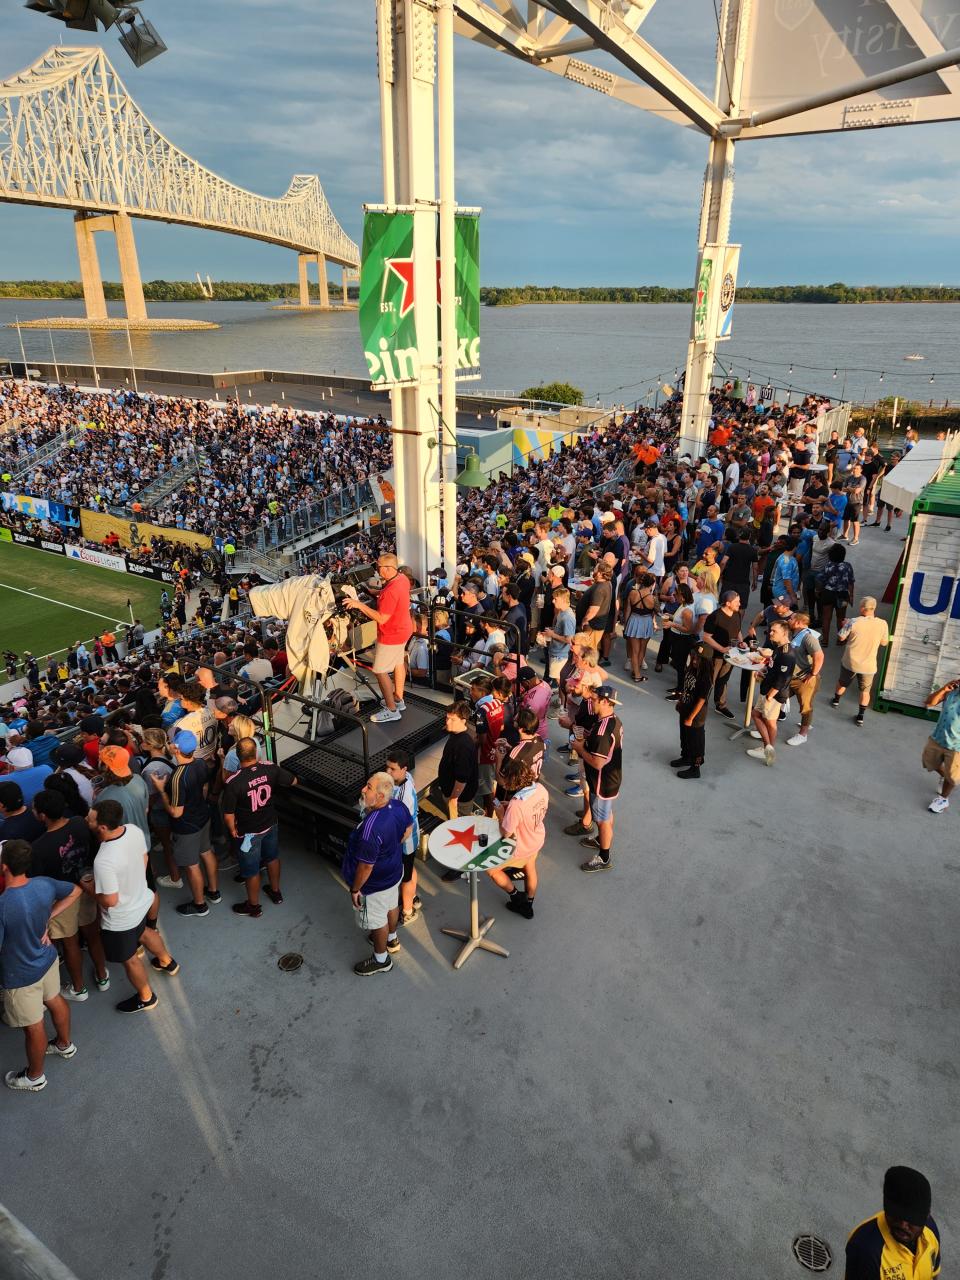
<point x="184" y="796"/>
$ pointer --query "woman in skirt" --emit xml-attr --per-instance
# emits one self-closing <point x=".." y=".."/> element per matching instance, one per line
<point x="640" y="619"/>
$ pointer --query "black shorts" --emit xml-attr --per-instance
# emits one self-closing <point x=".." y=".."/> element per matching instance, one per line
<point x="409" y="864"/>
<point x="853" y="512"/>
<point x="120" y="945"/>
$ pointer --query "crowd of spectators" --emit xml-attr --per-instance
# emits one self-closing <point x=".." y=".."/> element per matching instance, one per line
<point x="243" y="466"/>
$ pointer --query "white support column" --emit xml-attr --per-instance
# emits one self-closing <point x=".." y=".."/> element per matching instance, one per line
<point x="448" y="282"/>
<point x="715" y="210"/>
<point x="407" y="54"/>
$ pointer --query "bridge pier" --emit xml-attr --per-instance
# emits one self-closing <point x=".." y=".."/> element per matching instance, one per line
<point x="303" y="262"/>
<point x="344" y="286"/>
<point x="121" y="226"/>
<point x="93" y="299"/>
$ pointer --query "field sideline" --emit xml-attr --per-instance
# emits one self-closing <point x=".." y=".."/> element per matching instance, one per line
<point x="48" y="601"/>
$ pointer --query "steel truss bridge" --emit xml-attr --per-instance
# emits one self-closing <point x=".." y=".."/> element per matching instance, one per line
<point x="72" y="137"/>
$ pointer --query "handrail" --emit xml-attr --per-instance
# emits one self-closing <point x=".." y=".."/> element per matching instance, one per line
<point x="299" y="522"/>
<point x="453" y="611"/>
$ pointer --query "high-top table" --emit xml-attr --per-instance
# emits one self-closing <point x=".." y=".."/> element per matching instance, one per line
<point x="455" y="844"/>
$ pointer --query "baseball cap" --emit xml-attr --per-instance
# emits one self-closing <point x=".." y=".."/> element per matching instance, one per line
<point x="608" y="693"/>
<point x="185" y="742"/>
<point x="784" y="600"/>
<point x="526" y="555"/>
<point x="92" y="724"/>
<point x="227" y="705"/>
<point x="117" y="760"/>
<point x="557" y="569"/>
<point x="607" y="517"/>
<point x="906" y="1195"/>
<point x="527" y="673"/>
<point x="67" y="754"/>
<point x="869" y="602"/>
<point x="20" y="758"/>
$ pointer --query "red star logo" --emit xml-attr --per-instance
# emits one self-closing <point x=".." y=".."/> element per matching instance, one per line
<point x="402" y="267"/>
<point x="464" y="836"/>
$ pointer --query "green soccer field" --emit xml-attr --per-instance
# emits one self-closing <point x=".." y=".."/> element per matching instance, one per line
<point x="48" y="601"/>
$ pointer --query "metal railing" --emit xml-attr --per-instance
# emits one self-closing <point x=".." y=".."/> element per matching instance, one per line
<point x="172" y="479"/>
<point x="311" y="519"/>
<point x="36" y="459"/>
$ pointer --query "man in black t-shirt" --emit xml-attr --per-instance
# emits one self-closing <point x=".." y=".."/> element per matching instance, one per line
<point x="692" y="709"/>
<point x="252" y="822"/>
<point x="184" y="796"/>
<point x="453" y="790"/>
<point x="721" y="632"/>
<point x="802" y="457"/>
<point x="736" y="566"/>
<point x="601" y="750"/>
<point x="64" y="852"/>
<point x="774" y="691"/>
<point x="458" y="774"/>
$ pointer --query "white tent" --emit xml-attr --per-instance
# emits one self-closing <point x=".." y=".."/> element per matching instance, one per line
<point x="903" y="484"/>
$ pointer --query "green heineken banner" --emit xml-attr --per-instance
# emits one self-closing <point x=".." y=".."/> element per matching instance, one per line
<point x="386" y="311"/>
<point x="387" y="319"/>
<point x="468" y="296"/>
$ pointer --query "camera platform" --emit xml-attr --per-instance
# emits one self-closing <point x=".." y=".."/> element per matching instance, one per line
<point x="332" y="770"/>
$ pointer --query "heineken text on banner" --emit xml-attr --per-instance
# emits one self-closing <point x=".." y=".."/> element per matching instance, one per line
<point x="716" y="292"/>
<point x="386" y="311"/>
<point x="468" y="296"/>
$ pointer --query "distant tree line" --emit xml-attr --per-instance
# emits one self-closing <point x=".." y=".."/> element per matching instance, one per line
<point x="513" y="295"/>
<point x="165" y="290"/>
<point x="508" y="296"/>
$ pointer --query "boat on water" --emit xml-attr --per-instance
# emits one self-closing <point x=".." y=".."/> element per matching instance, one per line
<point x="915" y="355"/>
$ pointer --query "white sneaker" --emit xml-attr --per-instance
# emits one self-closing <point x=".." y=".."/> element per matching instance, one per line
<point x="758" y="753"/>
<point x="400" y="705"/>
<point x="77" y="997"/>
<point x="938" y="804"/>
<point x="769" y="755"/>
<point x="755" y="733"/>
<point x="21" y="1080"/>
<point x="384" y="716"/>
<point x="797" y="740"/>
<point x="167" y="882"/>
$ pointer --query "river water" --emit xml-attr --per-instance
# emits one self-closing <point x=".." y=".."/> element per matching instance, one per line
<point x="617" y="351"/>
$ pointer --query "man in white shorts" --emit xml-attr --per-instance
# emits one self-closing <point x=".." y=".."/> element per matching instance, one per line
<point x="394" y="629"/>
<point x="373" y="868"/>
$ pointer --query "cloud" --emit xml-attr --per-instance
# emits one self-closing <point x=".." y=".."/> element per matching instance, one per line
<point x="575" y="187"/>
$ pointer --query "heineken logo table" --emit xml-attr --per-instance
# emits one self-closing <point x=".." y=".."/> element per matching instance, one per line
<point x="472" y="845"/>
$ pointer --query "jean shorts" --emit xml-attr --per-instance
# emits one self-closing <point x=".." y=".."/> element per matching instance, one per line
<point x="264" y="848"/>
<point x="601" y="807"/>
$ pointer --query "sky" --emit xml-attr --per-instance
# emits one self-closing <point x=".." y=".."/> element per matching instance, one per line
<point x="575" y="187"/>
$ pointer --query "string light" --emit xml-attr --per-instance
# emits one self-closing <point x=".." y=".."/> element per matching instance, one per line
<point x="834" y="373"/>
<point x="790" y="370"/>
<point x="881" y="375"/>
<point x="932" y="376"/>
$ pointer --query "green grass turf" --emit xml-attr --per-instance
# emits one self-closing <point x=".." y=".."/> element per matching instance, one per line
<point x="44" y="626"/>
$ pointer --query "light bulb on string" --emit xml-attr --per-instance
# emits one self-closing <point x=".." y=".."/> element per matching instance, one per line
<point x="834" y="373"/>
<point x="881" y="375"/>
<point x="790" y="370"/>
<point x="932" y="376"/>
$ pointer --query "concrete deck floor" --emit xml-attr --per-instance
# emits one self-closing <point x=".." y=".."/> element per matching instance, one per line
<point x="682" y="1064"/>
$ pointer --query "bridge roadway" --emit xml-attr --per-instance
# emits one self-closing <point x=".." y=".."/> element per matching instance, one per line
<point x="683" y="1063"/>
